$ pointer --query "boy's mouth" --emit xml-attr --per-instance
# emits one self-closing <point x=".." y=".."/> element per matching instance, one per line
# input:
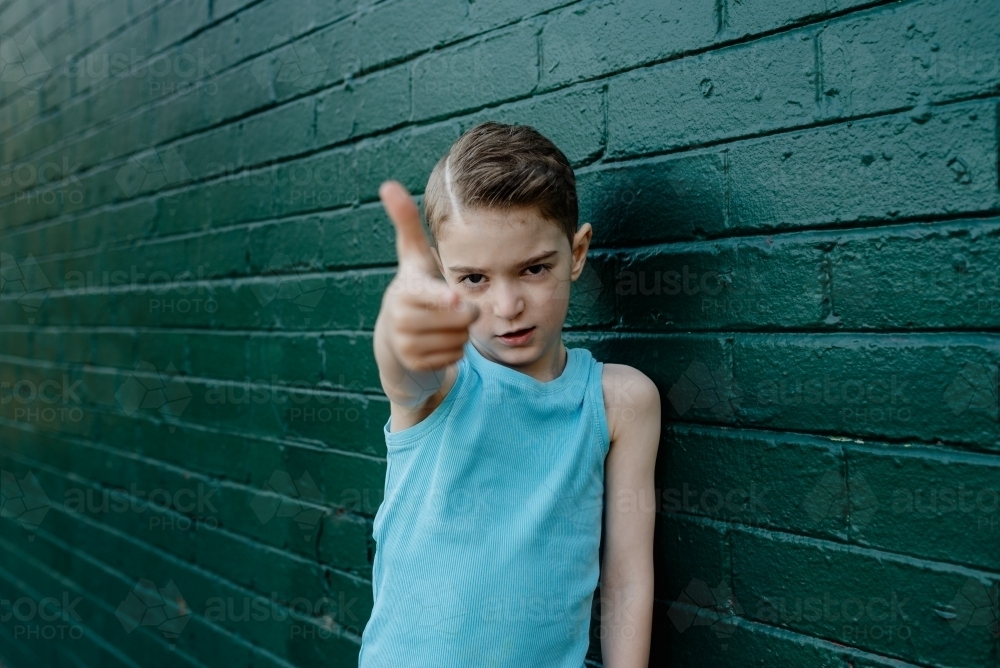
<point x="517" y="336"/>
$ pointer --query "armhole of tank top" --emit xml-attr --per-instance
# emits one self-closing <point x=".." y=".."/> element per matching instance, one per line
<point x="604" y="432"/>
<point x="397" y="440"/>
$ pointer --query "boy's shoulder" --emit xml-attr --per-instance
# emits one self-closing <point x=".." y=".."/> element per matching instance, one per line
<point x="630" y="397"/>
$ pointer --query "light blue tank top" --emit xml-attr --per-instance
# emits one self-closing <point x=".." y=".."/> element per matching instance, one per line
<point x="489" y="532"/>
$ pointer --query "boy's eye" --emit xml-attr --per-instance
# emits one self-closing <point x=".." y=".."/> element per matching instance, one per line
<point x="540" y="267"/>
<point x="479" y="279"/>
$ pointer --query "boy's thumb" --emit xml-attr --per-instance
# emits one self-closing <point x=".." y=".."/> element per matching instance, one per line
<point x="412" y="246"/>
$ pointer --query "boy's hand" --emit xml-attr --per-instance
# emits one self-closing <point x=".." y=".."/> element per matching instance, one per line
<point x="426" y="322"/>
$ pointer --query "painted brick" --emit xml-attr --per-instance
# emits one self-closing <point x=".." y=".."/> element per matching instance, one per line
<point x="855" y="200"/>
<point x="347" y="364"/>
<point x="573" y="120"/>
<point x="760" y="478"/>
<point x="893" y="386"/>
<point x="926" y="503"/>
<point x="407" y="156"/>
<point x="844" y="593"/>
<point x="733" y="642"/>
<point x="696" y="549"/>
<point x="452" y="81"/>
<point x="367" y="105"/>
<point x="749" y="282"/>
<point x="945" y="276"/>
<point x="749" y="89"/>
<point x="591" y="39"/>
<point x="912" y="54"/>
<point x="650" y="201"/>
<point x="748" y="17"/>
<point x="885" y="168"/>
<point x="357" y="236"/>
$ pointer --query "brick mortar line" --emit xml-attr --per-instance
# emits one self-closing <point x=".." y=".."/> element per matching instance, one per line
<point x="56" y="576"/>
<point x="577" y="332"/>
<point x="28" y="20"/>
<point x="850" y="446"/>
<point x="244" y="539"/>
<point x="117" y="31"/>
<point x="956" y="447"/>
<point x="66" y="27"/>
<point x="625" y="162"/>
<point x="241" y="538"/>
<point x="114" y="329"/>
<point x="834" y="646"/>
<point x="799" y="23"/>
<point x="985" y="217"/>
<point x="30" y="16"/>
<point x="77" y="587"/>
<point x="315" y="446"/>
<point x="114" y="572"/>
<point x="6" y="421"/>
<point x="144" y="109"/>
<point x="876" y="553"/>
<point x="172" y="468"/>
<point x="535" y="92"/>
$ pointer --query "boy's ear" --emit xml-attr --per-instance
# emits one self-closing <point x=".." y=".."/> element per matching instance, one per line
<point x="581" y="243"/>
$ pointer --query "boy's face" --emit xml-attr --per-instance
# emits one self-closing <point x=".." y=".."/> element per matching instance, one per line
<point x="517" y="267"/>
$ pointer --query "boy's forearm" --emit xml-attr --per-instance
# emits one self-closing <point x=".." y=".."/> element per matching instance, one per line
<point x="626" y="620"/>
<point x="405" y="388"/>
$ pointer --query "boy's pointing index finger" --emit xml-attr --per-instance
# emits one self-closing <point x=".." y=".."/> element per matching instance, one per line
<point x="411" y="241"/>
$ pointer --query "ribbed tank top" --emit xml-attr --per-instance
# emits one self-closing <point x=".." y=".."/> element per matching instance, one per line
<point x="488" y="535"/>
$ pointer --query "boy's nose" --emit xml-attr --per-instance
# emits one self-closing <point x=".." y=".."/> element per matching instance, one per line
<point x="507" y="302"/>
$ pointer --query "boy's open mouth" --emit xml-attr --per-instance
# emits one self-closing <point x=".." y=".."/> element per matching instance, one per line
<point x="517" y="336"/>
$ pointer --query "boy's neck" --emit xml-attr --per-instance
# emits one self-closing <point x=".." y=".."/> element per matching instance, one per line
<point x="547" y="367"/>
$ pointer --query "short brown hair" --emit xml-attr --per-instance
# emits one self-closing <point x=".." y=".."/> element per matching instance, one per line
<point x="498" y="166"/>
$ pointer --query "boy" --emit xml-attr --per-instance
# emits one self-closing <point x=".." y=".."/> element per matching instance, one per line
<point x="501" y="441"/>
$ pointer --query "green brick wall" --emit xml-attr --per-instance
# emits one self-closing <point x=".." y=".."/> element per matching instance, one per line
<point x="797" y="236"/>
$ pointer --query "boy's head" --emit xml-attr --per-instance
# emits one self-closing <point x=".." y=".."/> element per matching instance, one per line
<point x="501" y="206"/>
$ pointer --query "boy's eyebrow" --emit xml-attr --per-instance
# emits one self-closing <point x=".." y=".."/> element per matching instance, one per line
<point x="527" y="263"/>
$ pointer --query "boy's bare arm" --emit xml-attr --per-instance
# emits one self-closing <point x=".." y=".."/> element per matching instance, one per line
<point x="422" y="324"/>
<point x="630" y="512"/>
